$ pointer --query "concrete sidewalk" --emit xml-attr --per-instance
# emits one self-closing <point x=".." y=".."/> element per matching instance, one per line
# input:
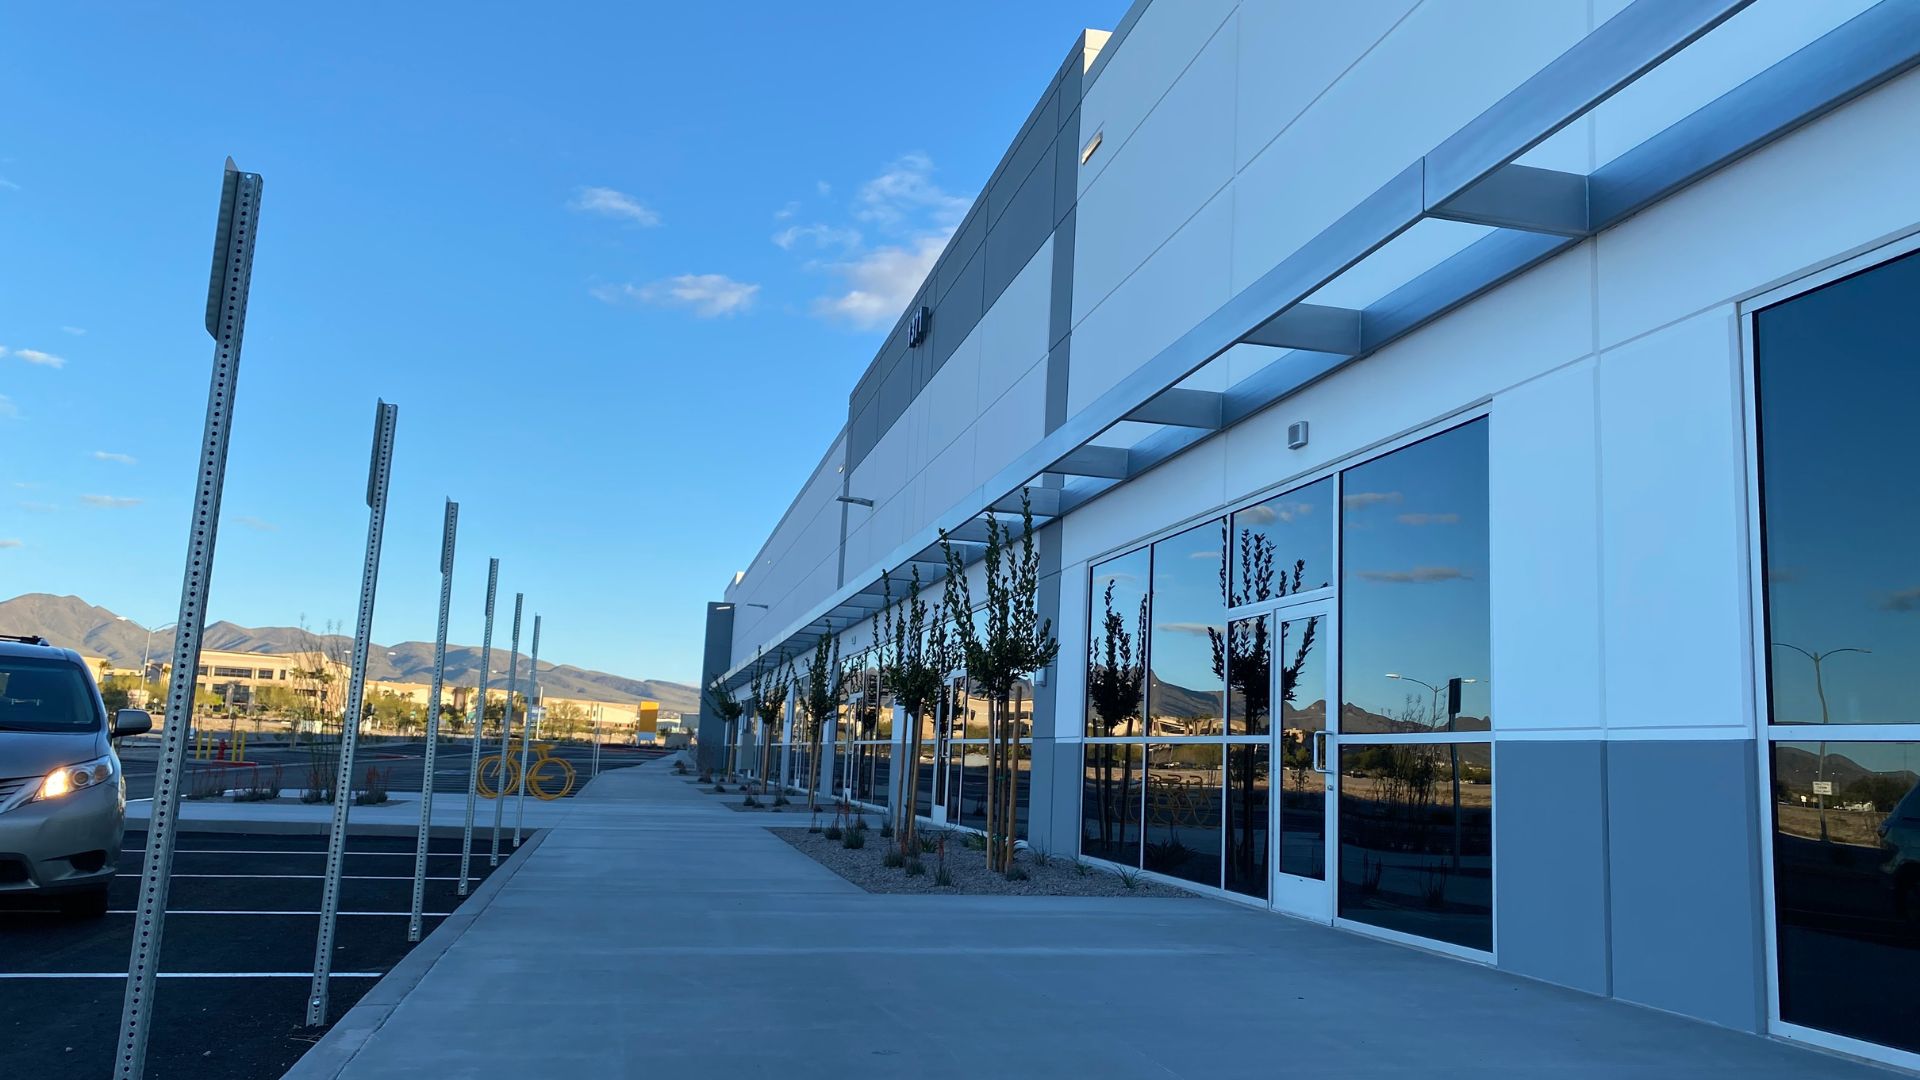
<point x="660" y="934"/>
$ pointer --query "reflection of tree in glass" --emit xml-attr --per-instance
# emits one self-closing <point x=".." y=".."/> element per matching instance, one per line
<point x="1116" y="686"/>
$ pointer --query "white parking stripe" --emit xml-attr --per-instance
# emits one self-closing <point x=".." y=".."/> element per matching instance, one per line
<point x="188" y="974"/>
<point x="388" y="913"/>
<point x="306" y="877"/>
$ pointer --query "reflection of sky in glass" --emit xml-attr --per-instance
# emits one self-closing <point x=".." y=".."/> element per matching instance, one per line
<point x="1414" y="575"/>
<point x="1299" y="525"/>
<point x="1187" y="602"/>
<point x="1838" y="374"/>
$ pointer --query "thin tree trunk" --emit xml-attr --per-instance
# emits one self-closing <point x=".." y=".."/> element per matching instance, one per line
<point x="993" y="780"/>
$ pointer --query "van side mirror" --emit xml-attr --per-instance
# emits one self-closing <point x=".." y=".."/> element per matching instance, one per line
<point x="131" y="722"/>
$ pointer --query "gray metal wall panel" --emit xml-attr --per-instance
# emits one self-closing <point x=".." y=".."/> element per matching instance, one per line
<point x="1018" y="233"/>
<point x="863" y="432"/>
<point x="1683" y="834"/>
<point x="716" y="656"/>
<point x="1035" y="146"/>
<point x="957" y="314"/>
<point x="1060" y="321"/>
<point x="896" y="392"/>
<point x="1066" y="168"/>
<point x="1550" y="837"/>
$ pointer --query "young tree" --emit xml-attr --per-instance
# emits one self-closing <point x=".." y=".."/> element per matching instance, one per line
<point x="729" y="709"/>
<point x="1014" y="643"/>
<point x="824" y="691"/>
<point x="768" y="689"/>
<point x="916" y="654"/>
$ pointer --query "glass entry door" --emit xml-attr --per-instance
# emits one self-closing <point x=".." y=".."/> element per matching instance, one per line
<point x="1304" y="759"/>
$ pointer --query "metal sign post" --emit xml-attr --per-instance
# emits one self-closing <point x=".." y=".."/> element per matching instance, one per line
<point x="384" y="418"/>
<point x="227" y="288"/>
<point x="506" y="732"/>
<point x="479" y="724"/>
<point x="433" y="722"/>
<point x="526" y="736"/>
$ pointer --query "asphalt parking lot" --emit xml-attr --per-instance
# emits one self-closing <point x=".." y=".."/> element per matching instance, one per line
<point x="402" y="761"/>
<point x="236" y="962"/>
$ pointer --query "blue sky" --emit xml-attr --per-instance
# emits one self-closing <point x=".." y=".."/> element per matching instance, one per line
<point x="619" y="268"/>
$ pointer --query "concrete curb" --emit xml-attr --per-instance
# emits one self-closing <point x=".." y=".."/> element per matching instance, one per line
<point x="329" y="1056"/>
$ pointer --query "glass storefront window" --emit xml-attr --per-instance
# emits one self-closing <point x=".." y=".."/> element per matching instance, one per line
<point x="1416" y="839"/>
<point x="1189" y="621"/>
<point x="1248" y="786"/>
<point x="1249" y="675"/>
<point x="1183" y="811"/>
<point x="1284" y="545"/>
<point x="1843" y="587"/>
<point x="1846" y="878"/>
<point x="1416" y="636"/>
<point x="1110" y="802"/>
<point x="1117" y="646"/>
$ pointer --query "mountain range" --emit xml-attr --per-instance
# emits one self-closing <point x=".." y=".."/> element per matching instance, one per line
<point x="73" y="623"/>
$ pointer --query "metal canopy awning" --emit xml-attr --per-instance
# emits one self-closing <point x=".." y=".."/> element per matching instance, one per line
<point x="1472" y="177"/>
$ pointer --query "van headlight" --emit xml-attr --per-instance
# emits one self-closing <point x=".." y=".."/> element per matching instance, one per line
<point x="68" y="779"/>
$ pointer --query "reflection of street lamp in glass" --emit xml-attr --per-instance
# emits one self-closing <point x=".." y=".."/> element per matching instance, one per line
<point x="1433" y="708"/>
<point x="1453" y="749"/>
<point x="1820" y="689"/>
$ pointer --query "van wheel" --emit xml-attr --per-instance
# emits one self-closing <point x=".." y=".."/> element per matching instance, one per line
<point x="89" y="904"/>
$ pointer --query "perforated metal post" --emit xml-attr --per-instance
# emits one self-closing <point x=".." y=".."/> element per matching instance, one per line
<point x="506" y="732"/>
<point x="433" y="723"/>
<point x="526" y="735"/>
<point x="479" y="724"/>
<point x="384" y="418"/>
<point x="227" y="287"/>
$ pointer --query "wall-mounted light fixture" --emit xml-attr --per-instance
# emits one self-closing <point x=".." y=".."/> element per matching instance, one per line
<point x="855" y="500"/>
<point x="1092" y="145"/>
<point x="1297" y="435"/>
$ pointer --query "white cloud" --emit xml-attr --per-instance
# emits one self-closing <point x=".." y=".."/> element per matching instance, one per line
<point x="1419" y="575"/>
<point x="256" y="524"/>
<point x="1198" y="629"/>
<point x="906" y="187"/>
<point x="819" y="235"/>
<point x="8" y="184"/>
<point x="1429" y="519"/>
<point x="880" y="283"/>
<point x="823" y="188"/>
<point x="608" y="202"/>
<point x="1903" y="600"/>
<point x="109" y="502"/>
<point x="108" y="455"/>
<point x="1360" y="500"/>
<point x="786" y="212"/>
<point x="76" y="331"/>
<point x="8" y="410"/>
<point x="706" y="295"/>
<point x="8" y="542"/>
<point x="39" y="508"/>
<point x="41" y="359"/>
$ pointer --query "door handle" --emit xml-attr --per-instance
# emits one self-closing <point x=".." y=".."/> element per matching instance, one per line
<point x="1320" y="750"/>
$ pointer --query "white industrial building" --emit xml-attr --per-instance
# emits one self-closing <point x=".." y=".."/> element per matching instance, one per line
<point x="1485" y="419"/>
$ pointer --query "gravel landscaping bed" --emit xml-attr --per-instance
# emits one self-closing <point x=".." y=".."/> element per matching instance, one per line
<point x="1059" y="877"/>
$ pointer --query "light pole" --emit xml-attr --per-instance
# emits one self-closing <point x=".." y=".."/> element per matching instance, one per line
<point x="1820" y="689"/>
<point x="146" y="655"/>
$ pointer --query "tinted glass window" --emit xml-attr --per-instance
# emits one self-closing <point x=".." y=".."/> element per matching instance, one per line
<point x="1183" y="811"/>
<point x="1110" y="802"/>
<point x="1846" y="872"/>
<point x="1189" y="620"/>
<point x="1416" y="839"/>
<point x="1414" y="587"/>
<point x="1248" y="784"/>
<point x="1303" y="711"/>
<point x="1284" y="545"/>
<point x="1117" y="646"/>
<point x="1838" y="371"/>
<point x="1250" y="675"/>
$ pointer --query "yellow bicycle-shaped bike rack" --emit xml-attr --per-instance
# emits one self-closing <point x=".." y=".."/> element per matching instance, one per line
<point x="548" y="777"/>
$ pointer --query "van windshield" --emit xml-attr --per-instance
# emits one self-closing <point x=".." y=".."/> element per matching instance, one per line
<point x="44" y="695"/>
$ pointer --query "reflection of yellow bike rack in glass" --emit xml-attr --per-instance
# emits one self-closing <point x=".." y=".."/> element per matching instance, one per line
<point x="548" y="777"/>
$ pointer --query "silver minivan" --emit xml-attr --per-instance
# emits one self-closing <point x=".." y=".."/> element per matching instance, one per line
<point x="63" y="801"/>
